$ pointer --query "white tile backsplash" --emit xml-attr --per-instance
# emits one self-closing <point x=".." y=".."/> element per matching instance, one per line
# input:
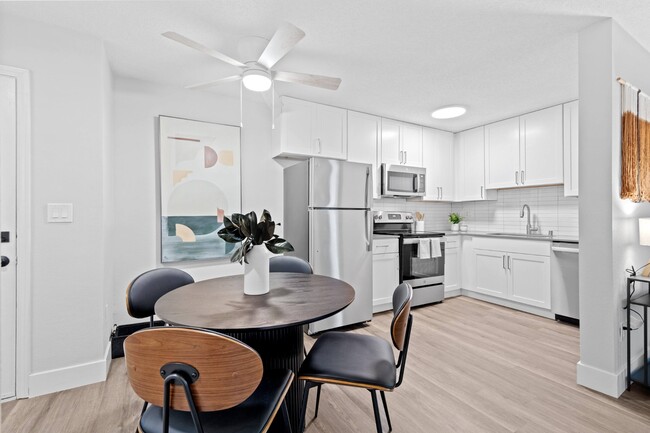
<point x="436" y="214"/>
<point x="549" y="209"/>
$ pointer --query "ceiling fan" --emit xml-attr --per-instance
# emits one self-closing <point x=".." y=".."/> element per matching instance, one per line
<point x="258" y="75"/>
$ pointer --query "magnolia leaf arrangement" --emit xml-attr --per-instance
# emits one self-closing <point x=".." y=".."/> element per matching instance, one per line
<point x="245" y="228"/>
<point x="455" y="218"/>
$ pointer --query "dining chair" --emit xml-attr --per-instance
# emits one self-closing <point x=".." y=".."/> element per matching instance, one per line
<point x="290" y="264"/>
<point x="143" y="292"/>
<point x="200" y="381"/>
<point x="363" y="361"/>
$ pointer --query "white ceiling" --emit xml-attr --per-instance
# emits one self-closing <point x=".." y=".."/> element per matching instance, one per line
<point x="399" y="59"/>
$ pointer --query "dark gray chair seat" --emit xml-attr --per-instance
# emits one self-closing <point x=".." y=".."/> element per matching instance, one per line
<point x="253" y="415"/>
<point x="289" y="264"/>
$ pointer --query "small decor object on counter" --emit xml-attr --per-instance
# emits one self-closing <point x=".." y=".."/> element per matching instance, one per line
<point x="455" y="220"/>
<point x="419" y="222"/>
<point x="258" y="243"/>
<point x="463" y="227"/>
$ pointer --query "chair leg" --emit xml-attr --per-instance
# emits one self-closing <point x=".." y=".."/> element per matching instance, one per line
<point x="375" y="408"/>
<point x="383" y="399"/>
<point x="303" y="413"/>
<point x="317" y="400"/>
<point x="285" y="417"/>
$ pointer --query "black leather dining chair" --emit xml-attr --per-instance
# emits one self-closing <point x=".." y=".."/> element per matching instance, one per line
<point x="200" y="381"/>
<point x="143" y="292"/>
<point x="363" y="361"/>
<point x="289" y="264"/>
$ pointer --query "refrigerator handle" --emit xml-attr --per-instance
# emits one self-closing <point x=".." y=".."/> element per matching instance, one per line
<point x="368" y="233"/>
<point x="367" y="186"/>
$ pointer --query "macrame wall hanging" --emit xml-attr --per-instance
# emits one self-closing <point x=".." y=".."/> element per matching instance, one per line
<point x="635" y="144"/>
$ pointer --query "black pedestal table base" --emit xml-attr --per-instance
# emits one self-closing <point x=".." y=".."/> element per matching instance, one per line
<point x="280" y="348"/>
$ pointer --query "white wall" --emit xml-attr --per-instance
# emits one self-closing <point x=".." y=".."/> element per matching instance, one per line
<point x="69" y="339"/>
<point x="137" y="239"/>
<point x="609" y="241"/>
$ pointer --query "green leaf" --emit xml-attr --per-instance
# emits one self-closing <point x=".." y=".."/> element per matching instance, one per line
<point x="279" y="246"/>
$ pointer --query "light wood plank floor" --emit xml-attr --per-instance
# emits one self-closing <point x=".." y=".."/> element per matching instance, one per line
<point x="473" y="367"/>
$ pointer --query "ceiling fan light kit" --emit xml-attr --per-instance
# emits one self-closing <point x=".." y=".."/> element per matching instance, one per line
<point x="257" y="80"/>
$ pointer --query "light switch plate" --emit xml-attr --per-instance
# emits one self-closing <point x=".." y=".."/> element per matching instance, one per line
<point x="59" y="212"/>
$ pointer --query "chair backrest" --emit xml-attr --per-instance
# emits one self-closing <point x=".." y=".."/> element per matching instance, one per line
<point x="290" y="264"/>
<point x="147" y="288"/>
<point x="228" y="370"/>
<point x="399" y="328"/>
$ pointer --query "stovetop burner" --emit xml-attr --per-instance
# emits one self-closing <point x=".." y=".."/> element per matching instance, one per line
<point x="409" y="233"/>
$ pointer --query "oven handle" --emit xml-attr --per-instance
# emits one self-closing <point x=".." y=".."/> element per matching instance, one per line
<point x="417" y="240"/>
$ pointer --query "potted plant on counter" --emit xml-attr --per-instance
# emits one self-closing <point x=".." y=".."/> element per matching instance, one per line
<point x="258" y="243"/>
<point x="455" y="220"/>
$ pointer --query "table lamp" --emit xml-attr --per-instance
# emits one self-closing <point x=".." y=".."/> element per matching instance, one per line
<point x="644" y="239"/>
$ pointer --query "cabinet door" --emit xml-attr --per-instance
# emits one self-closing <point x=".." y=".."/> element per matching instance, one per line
<point x="530" y="279"/>
<point x="411" y="138"/>
<point x="438" y="159"/>
<point x="329" y="132"/>
<point x="363" y="142"/>
<point x="473" y="160"/>
<point x="502" y="154"/>
<point x="391" y="152"/>
<point x="385" y="278"/>
<point x="491" y="273"/>
<point x="541" y="147"/>
<point x="452" y="262"/>
<point x="571" y="149"/>
<point x="296" y="127"/>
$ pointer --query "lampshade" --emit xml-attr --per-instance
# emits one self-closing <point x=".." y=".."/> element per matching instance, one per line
<point x="644" y="231"/>
<point x="257" y="80"/>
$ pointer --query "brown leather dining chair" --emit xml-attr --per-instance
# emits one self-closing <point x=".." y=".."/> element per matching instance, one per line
<point x="143" y="292"/>
<point x="363" y="361"/>
<point x="200" y="381"/>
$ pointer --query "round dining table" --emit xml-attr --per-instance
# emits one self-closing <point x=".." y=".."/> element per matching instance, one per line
<point x="272" y="323"/>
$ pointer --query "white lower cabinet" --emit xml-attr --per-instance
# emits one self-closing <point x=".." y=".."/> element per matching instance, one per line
<point x="385" y="273"/>
<point x="514" y="270"/>
<point x="452" y="266"/>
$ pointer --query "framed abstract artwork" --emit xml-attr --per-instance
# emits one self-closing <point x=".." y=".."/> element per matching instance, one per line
<point x="200" y="182"/>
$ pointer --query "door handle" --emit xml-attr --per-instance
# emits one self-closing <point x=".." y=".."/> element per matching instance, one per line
<point x="5" y="261"/>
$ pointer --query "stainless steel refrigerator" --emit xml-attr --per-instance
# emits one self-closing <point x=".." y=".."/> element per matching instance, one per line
<point x="328" y="220"/>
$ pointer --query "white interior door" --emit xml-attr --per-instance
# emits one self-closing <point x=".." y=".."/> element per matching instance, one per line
<point x="8" y="120"/>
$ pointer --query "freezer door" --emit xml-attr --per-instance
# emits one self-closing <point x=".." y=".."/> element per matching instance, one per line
<point x="341" y="247"/>
<point x="339" y="184"/>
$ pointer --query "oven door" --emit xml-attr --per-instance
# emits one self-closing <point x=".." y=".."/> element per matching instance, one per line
<point x="418" y="271"/>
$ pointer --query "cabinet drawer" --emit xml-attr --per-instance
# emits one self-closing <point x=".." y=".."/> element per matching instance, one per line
<point x="384" y="246"/>
<point x="452" y="242"/>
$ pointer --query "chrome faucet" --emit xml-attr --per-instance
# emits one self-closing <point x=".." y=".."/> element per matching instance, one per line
<point x="529" y="228"/>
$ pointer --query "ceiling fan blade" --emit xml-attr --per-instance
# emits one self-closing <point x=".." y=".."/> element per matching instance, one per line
<point x="330" y="83"/>
<point x="205" y="50"/>
<point x="284" y="39"/>
<point x="214" y="82"/>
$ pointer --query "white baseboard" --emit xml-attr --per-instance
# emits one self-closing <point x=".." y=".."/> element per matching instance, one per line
<point x="452" y="293"/>
<point x="612" y="384"/>
<point x="60" y="379"/>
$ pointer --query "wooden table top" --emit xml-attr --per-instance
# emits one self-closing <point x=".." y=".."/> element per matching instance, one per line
<point x="220" y="303"/>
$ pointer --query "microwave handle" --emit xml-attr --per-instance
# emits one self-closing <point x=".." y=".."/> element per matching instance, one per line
<point x="417" y="183"/>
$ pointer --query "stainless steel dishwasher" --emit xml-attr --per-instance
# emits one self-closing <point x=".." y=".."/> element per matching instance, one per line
<point x="564" y="281"/>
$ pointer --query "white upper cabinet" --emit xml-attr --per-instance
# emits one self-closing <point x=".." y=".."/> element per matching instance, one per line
<point x="470" y="166"/>
<point x="571" y="149"/>
<point x="310" y="129"/>
<point x="502" y="154"/>
<point x="401" y="143"/>
<point x="525" y="151"/>
<point x="541" y="147"/>
<point x="438" y="159"/>
<point x="363" y="141"/>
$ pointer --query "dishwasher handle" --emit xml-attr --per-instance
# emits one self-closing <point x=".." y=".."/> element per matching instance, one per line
<point x="565" y="250"/>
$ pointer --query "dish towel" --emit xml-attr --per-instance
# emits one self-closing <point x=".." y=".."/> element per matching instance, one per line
<point x="435" y="248"/>
<point x="424" y="249"/>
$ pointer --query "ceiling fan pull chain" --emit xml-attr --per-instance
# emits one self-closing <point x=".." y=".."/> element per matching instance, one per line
<point x="241" y="104"/>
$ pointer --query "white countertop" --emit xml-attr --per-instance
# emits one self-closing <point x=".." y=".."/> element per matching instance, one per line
<point x="558" y="238"/>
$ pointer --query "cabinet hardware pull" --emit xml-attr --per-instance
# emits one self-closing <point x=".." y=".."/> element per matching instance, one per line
<point x="481" y="192"/>
<point x="523" y="176"/>
<point x="406" y="157"/>
<point x="504" y="261"/>
<point x="320" y="148"/>
<point x="401" y="157"/>
<point x="508" y="262"/>
<point x="517" y="177"/>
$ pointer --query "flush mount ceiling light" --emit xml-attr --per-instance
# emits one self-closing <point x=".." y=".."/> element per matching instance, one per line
<point x="257" y="80"/>
<point x="449" y="112"/>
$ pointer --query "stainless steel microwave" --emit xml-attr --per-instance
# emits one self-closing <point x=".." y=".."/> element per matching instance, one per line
<point x="402" y="181"/>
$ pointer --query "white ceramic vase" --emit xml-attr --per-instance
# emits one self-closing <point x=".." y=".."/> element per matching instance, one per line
<point x="454" y="227"/>
<point x="256" y="271"/>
